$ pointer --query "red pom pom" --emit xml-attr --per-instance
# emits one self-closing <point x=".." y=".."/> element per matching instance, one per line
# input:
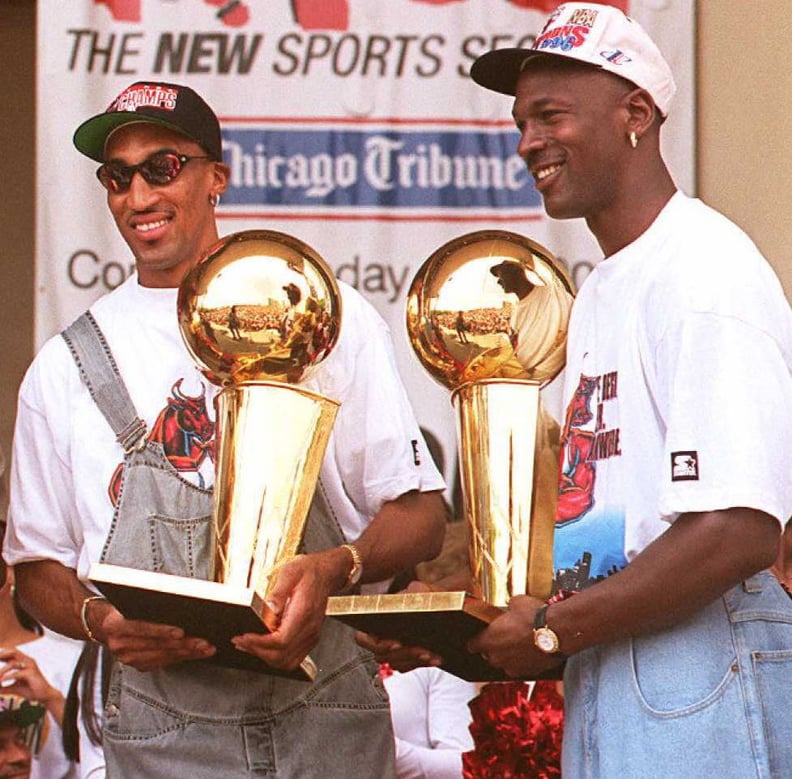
<point x="385" y="671"/>
<point x="515" y="736"/>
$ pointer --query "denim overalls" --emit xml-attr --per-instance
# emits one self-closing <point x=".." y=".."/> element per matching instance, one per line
<point x="201" y="720"/>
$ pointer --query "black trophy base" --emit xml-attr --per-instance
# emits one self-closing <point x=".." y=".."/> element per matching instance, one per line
<point x="204" y="609"/>
<point x="441" y="622"/>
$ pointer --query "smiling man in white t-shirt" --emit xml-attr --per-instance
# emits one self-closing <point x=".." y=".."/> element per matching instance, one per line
<point x="96" y="478"/>
<point x="677" y="439"/>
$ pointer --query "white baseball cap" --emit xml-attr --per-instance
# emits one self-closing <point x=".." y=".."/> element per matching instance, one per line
<point x="598" y="35"/>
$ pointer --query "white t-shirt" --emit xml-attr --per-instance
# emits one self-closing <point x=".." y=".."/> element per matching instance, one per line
<point x="65" y="454"/>
<point x="677" y="391"/>
<point x="431" y="722"/>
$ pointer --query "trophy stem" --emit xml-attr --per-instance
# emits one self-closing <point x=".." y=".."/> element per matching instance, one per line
<point x="272" y="438"/>
<point x="508" y="467"/>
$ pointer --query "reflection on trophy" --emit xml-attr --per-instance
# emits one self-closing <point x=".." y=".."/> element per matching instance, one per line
<point x="487" y="317"/>
<point x="258" y="313"/>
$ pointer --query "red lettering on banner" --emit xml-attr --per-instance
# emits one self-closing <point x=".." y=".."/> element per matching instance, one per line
<point x="122" y="10"/>
<point x="545" y="6"/>
<point x="233" y="13"/>
<point x="327" y="15"/>
<point x="310" y="14"/>
<point x="334" y="14"/>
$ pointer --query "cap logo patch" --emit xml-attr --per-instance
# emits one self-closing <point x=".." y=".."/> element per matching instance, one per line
<point x="144" y="96"/>
<point x="616" y="57"/>
<point x="566" y="37"/>
<point x="684" y="466"/>
<point x="584" y="16"/>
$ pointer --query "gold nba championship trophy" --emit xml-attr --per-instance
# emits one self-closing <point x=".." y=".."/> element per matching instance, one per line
<point x="487" y="317"/>
<point x="258" y="313"/>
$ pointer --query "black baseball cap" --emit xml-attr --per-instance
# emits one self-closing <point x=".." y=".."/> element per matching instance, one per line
<point x="495" y="270"/>
<point x="174" y="106"/>
<point x="18" y="712"/>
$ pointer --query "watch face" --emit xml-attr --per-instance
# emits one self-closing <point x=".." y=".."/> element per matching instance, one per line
<point x="546" y="640"/>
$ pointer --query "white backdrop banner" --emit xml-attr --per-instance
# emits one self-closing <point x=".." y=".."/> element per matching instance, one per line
<point x="352" y="124"/>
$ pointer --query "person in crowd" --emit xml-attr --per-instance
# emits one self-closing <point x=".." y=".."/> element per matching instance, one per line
<point x="35" y="667"/>
<point x="18" y="718"/>
<point x="429" y="709"/>
<point x="86" y="407"/>
<point x="677" y="640"/>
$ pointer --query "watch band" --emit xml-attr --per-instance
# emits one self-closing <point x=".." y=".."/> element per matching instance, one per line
<point x="540" y="618"/>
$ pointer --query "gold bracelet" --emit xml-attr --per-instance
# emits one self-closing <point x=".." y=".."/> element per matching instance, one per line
<point x="353" y="577"/>
<point x="84" y="617"/>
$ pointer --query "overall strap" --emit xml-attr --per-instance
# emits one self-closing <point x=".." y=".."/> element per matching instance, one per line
<point x="322" y="529"/>
<point x="100" y="374"/>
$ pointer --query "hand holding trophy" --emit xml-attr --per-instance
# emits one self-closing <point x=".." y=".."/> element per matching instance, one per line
<point x="487" y="317"/>
<point x="258" y="313"/>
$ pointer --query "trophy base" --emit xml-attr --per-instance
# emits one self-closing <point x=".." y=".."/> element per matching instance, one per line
<point x="441" y="622"/>
<point x="204" y="609"/>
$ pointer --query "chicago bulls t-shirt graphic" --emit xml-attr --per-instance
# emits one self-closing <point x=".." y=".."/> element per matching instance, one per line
<point x="187" y="436"/>
<point x="589" y="540"/>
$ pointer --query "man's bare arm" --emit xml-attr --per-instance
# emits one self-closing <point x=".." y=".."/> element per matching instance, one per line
<point x="405" y="532"/>
<point x="54" y="595"/>
<point x="700" y="557"/>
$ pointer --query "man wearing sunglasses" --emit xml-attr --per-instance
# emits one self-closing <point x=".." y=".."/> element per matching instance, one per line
<point x="89" y="484"/>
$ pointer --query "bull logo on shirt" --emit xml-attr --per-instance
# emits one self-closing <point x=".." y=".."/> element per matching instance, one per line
<point x="185" y="433"/>
<point x="578" y="470"/>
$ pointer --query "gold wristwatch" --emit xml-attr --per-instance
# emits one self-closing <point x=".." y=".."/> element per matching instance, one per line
<point x="545" y="638"/>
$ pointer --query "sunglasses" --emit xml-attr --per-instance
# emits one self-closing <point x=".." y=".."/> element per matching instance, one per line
<point x="158" y="170"/>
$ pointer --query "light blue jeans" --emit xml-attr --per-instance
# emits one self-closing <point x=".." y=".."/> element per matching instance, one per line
<point x="708" y="698"/>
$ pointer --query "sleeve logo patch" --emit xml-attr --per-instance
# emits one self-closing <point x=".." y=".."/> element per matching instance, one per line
<point x="416" y="454"/>
<point x="684" y="466"/>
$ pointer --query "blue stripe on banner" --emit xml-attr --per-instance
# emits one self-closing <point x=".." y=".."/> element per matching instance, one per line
<point x="392" y="169"/>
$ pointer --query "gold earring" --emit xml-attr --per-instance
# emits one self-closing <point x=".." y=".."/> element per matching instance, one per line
<point x="633" y="139"/>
